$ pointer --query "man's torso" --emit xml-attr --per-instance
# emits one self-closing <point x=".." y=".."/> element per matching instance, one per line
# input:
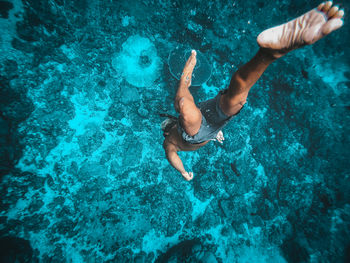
<point x="176" y="139"/>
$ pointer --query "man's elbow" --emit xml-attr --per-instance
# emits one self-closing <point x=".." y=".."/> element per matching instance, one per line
<point x="167" y="148"/>
<point x="169" y="154"/>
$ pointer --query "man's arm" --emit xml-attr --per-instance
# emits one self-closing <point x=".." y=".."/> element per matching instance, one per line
<point x="175" y="161"/>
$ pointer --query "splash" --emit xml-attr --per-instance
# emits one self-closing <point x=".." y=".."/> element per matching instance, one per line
<point x="177" y="59"/>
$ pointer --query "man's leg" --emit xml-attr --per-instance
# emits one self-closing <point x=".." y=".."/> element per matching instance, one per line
<point x="276" y="42"/>
<point x="190" y="115"/>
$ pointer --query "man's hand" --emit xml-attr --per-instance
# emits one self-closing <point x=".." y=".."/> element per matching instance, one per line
<point x="188" y="175"/>
<point x="219" y="137"/>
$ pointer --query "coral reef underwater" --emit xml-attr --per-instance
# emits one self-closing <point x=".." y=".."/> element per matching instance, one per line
<point x="84" y="177"/>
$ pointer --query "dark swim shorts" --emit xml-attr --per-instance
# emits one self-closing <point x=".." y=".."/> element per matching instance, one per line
<point x="213" y="120"/>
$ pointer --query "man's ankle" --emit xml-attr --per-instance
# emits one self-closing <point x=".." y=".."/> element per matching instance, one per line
<point x="268" y="55"/>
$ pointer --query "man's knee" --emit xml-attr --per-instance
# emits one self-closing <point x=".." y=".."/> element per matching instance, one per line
<point x="232" y="104"/>
<point x="184" y="102"/>
<point x="191" y="117"/>
<point x="187" y="108"/>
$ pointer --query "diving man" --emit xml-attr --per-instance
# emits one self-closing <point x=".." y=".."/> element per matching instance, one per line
<point x="197" y="125"/>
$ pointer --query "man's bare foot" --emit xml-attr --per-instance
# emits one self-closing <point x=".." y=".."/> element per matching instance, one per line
<point x="186" y="76"/>
<point x="304" y="30"/>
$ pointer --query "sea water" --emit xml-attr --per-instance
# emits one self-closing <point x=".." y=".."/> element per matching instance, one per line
<point x="84" y="176"/>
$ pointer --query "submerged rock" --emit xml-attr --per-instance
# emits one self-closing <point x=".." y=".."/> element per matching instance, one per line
<point x="208" y="257"/>
<point x="91" y="140"/>
<point x="15" y="249"/>
<point x="181" y="252"/>
<point x="5" y="7"/>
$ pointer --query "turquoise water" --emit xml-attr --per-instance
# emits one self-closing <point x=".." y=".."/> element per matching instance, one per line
<point x="84" y="177"/>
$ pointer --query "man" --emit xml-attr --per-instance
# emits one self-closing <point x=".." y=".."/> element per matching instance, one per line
<point x="196" y="126"/>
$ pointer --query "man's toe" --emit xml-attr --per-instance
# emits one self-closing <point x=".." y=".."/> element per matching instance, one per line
<point x="332" y="11"/>
<point x="339" y="14"/>
<point x="332" y="25"/>
<point x="327" y="6"/>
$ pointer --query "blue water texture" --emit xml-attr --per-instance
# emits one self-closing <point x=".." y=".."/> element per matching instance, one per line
<point x="83" y="174"/>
